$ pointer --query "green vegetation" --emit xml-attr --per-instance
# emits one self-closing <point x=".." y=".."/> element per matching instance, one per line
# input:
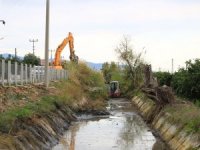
<point x="44" y="105"/>
<point x="130" y="74"/>
<point x="187" y="115"/>
<point x="164" y="78"/>
<point x="84" y="89"/>
<point x="28" y="59"/>
<point x="10" y="58"/>
<point x="111" y="71"/>
<point x="31" y="59"/>
<point x="185" y="82"/>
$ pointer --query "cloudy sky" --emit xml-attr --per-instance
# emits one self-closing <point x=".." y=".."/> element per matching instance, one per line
<point x="166" y="28"/>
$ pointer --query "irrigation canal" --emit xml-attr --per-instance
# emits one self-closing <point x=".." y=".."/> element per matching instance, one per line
<point x="123" y="129"/>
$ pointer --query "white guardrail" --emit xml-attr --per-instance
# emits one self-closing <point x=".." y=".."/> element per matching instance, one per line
<point x="20" y="74"/>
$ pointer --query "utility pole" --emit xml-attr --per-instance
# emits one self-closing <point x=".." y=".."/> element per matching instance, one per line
<point x="47" y="46"/>
<point x="172" y="65"/>
<point x="15" y="53"/>
<point x="33" y="41"/>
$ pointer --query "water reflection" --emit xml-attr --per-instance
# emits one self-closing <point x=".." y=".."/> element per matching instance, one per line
<point x="129" y="132"/>
<point x="68" y="141"/>
<point x="123" y="130"/>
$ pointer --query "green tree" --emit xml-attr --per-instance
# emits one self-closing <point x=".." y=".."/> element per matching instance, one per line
<point x="106" y="72"/>
<point x="186" y="82"/>
<point x="164" y="78"/>
<point x="31" y="59"/>
<point x="1" y="57"/>
<point x="113" y="72"/>
<point x="16" y="59"/>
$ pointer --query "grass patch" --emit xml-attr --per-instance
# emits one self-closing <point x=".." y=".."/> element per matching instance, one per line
<point x="7" y="119"/>
<point x="186" y="114"/>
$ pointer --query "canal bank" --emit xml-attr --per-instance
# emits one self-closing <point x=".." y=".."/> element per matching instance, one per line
<point x="33" y="117"/>
<point x="177" y="133"/>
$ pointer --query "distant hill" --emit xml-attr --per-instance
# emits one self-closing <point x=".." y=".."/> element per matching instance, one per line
<point x="6" y="55"/>
<point x="95" y="66"/>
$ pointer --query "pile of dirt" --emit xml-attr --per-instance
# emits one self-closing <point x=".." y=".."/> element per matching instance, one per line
<point x="11" y="97"/>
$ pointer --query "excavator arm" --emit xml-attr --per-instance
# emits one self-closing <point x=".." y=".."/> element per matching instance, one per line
<point x="73" y="57"/>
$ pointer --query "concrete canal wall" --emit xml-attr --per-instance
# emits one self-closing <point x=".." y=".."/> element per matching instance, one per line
<point x="172" y="132"/>
<point x="38" y="132"/>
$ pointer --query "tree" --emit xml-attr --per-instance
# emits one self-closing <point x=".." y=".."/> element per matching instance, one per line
<point x="31" y="59"/>
<point x="1" y="57"/>
<point x="133" y="67"/>
<point x="106" y="72"/>
<point x="164" y="78"/>
<point x="16" y="59"/>
<point x="186" y="82"/>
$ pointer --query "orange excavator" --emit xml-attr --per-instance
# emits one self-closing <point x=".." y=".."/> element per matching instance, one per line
<point x="73" y="57"/>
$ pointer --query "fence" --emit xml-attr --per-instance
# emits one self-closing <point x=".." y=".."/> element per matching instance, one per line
<point x="20" y="74"/>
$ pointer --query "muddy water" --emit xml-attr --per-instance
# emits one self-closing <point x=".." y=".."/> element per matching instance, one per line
<point x="124" y="129"/>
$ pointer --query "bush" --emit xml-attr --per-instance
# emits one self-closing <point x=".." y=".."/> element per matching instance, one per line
<point x="164" y="78"/>
<point x="186" y="82"/>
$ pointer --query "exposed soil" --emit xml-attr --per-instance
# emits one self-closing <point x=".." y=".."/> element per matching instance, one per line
<point x="11" y="97"/>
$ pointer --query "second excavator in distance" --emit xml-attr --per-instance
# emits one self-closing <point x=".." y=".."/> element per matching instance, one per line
<point x="57" y="60"/>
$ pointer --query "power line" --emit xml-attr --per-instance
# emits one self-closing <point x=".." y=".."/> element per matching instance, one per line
<point x="33" y="41"/>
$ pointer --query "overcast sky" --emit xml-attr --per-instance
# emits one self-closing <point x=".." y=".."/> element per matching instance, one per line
<point x="166" y="28"/>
